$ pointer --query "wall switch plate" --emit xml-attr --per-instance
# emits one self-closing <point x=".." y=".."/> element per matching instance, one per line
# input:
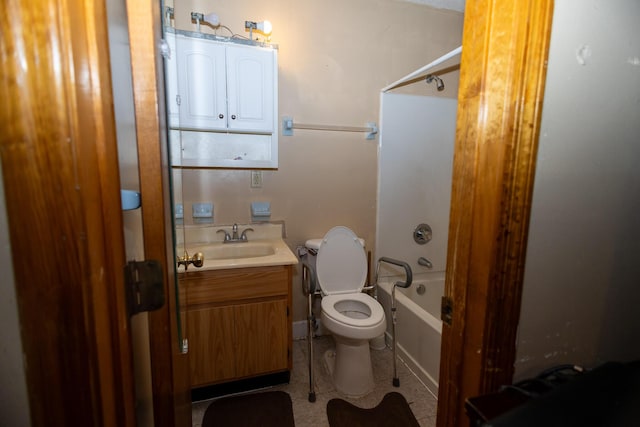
<point x="256" y="179"/>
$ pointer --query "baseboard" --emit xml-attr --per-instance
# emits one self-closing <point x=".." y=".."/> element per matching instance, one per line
<point x="240" y="386"/>
<point x="300" y="330"/>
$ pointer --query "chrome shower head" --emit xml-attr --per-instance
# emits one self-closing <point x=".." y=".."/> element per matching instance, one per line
<point x="439" y="82"/>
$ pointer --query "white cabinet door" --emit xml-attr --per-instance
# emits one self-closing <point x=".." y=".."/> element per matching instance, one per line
<point x="201" y="84"/>
<point x="171" y="80"/>
<point x="251" y="89"/>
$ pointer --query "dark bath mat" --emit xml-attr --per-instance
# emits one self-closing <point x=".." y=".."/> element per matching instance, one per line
<point x="392" y="411"/>
<point x="268" y="409"/>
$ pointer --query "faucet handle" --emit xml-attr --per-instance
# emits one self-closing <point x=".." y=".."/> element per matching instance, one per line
<point x="244" y="234"/>
<point x="226" y="235"/>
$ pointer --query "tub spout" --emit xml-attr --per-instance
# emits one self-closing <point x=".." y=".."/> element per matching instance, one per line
<point x="425" y="262"/>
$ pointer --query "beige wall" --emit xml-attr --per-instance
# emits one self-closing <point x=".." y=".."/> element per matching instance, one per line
<point x="334" y="57"/>
<point x="14" y="402"/>
<point x="581" y="295"/>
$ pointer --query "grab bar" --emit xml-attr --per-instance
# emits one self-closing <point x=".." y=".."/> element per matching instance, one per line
<point x="405" y="284"/>
<point x="407" y="270"/>
<point x="310" y="290"/>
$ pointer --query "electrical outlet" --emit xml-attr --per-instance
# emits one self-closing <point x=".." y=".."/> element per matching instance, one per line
<point x="256" y="179"/>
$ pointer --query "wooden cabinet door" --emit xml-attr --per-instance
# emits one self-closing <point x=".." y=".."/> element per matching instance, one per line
<point x="211" y="342"/>
<point x="262" y="337"/>
<point x="251" y="89"/>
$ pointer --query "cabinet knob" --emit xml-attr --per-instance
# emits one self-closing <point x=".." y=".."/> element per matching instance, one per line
<point x="221" y="116"/>
<point x="233" y="117"/>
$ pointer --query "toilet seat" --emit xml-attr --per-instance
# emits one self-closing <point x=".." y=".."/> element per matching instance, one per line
<point x="371" y="311"/>
<point x="341" y="264"/>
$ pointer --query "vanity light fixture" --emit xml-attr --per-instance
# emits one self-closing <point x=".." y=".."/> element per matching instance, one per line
<point x="263" y="27"/>
<point x="210" y="18"/>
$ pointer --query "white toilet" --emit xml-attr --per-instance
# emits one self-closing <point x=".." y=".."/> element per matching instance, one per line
<point x="352" y="317"/>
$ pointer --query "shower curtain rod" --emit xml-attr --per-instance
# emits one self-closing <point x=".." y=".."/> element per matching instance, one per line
<point x="416" y="73"/>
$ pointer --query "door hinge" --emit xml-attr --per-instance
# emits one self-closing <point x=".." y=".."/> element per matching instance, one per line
<point x="178" y="100"/>
<point x="446" y="310"/>
<point x="144" y="286"/>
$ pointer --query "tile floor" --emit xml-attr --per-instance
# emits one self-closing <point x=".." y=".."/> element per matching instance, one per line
<point x="307" y="414"/>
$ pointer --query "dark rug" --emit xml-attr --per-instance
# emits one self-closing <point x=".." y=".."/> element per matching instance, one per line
<point x="392" y="411"/>
<point x="268" y="409"/>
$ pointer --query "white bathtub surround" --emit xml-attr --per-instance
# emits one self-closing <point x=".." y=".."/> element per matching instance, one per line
<point x="417" y="135"/>
<point x="419" y="332"/>
<point x="414" y="178"/>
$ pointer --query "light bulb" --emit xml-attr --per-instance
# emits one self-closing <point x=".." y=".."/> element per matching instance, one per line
<point x="265" y="27"/>
<point x="212" y="18"/>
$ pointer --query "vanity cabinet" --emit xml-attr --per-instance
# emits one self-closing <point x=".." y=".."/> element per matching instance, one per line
<point x="238" y="323"/>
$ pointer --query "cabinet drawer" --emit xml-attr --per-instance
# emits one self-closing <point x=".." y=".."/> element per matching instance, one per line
<point x="224" y="286"/>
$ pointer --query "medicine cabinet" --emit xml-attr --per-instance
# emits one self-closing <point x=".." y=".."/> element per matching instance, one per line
<point x="222" y="99"/>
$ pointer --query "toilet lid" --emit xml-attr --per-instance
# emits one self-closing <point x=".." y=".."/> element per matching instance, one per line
<point x="341" y="265"/>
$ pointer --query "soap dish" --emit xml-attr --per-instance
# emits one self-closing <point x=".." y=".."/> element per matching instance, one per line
<point x="260" y="211"/>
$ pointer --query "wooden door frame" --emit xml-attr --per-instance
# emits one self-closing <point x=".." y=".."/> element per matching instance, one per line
<point x="62" y="190"/>
<point x="169" y="367"/>
<point x="502" y="78"/>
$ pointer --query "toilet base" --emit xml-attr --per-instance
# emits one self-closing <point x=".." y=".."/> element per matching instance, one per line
<point x="350" y="367"/>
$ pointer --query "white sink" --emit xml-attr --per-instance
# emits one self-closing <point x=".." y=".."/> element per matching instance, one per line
<point x="236" y="250"/>
<point x="218" y="256"/>
<point x="264" y="248"/>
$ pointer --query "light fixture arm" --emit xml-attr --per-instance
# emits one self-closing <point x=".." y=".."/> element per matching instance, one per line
<point x="195" y="16"/>
<point x="168" y="15"/>
<point x="210" y="18"/>
<point x="264" y="27"/>
<point x="250" y="25"/>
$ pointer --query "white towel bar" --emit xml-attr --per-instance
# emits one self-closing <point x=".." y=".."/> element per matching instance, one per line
<point x="288" y="125"/>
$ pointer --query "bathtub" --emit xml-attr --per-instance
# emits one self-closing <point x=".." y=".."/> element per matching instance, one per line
<point x="418" y="326"/>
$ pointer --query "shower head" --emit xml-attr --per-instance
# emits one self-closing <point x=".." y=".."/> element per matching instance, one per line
<point x="439" y="82"/>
